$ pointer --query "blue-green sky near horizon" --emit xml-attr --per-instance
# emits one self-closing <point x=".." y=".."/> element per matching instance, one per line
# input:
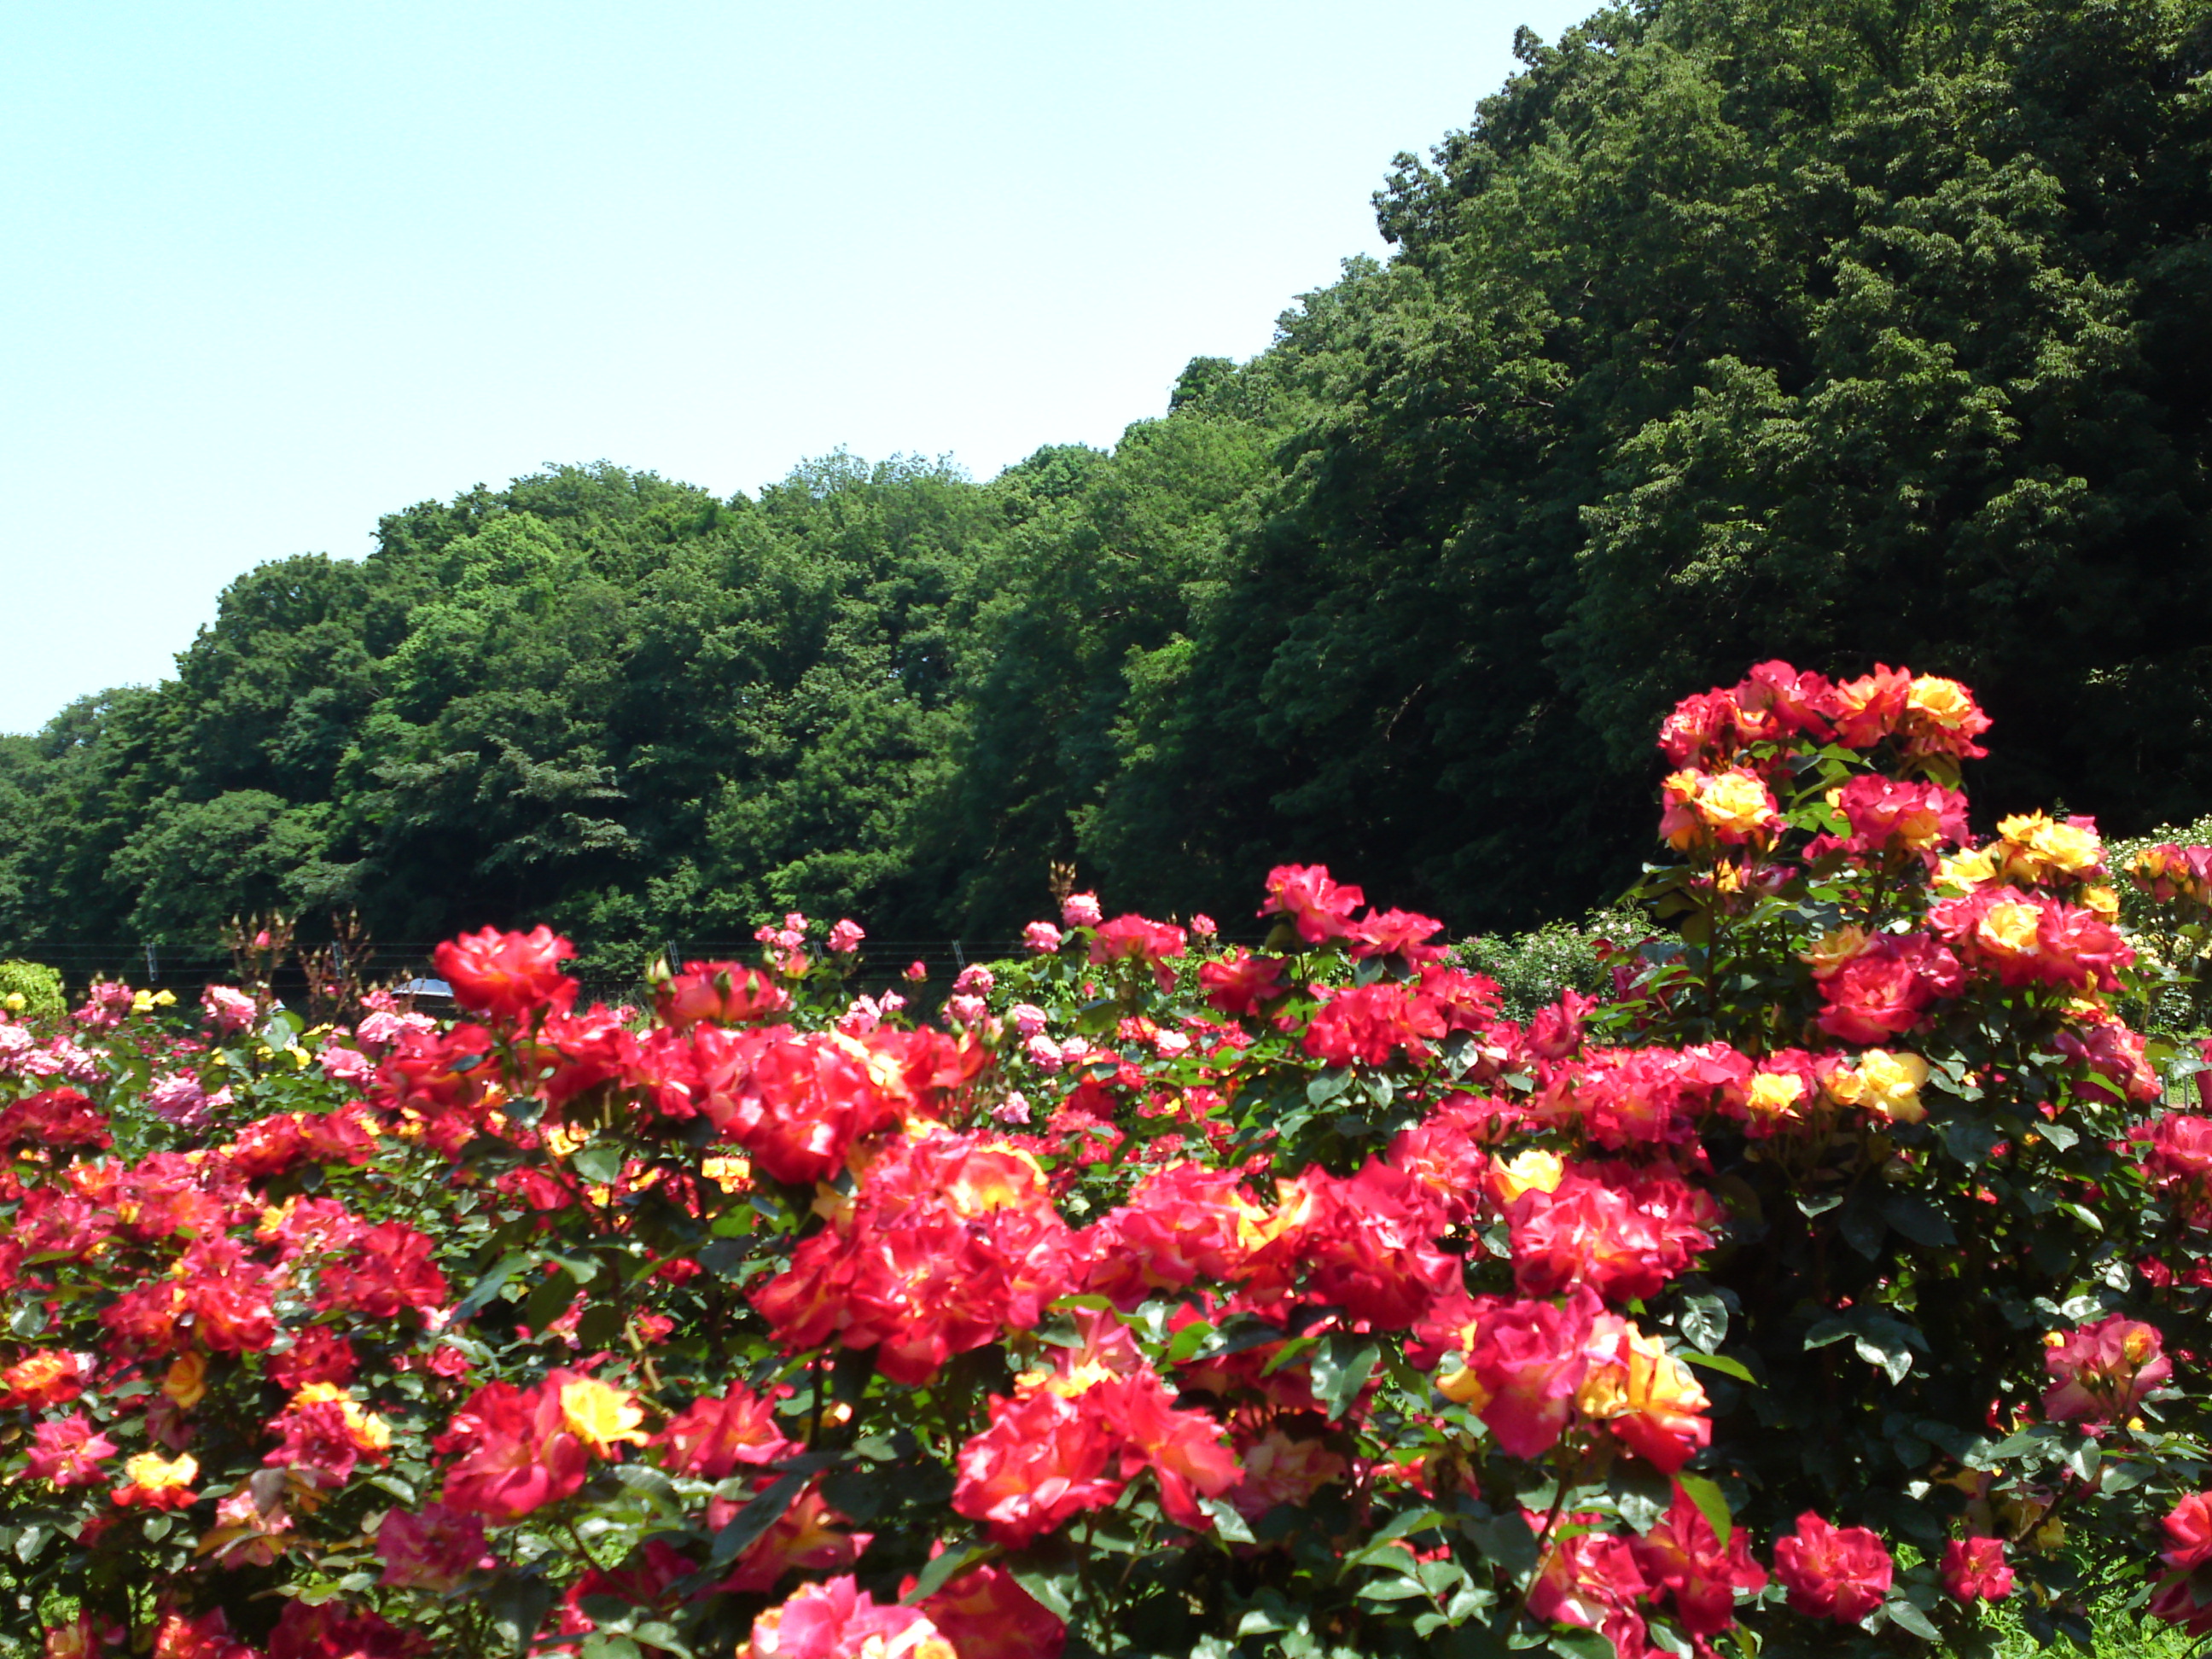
<point x="273" y="269"/>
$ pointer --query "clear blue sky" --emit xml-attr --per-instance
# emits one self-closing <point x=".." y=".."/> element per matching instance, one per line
<point x="270" y="271"/>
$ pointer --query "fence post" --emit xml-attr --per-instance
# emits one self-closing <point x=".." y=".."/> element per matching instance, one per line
<point x="153" y="966"/>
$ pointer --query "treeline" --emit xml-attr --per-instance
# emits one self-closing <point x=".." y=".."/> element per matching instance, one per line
<point x="1835" y="330"/>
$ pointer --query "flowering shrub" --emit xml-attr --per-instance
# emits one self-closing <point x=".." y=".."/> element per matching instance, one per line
<point x="1836" y="1274"/>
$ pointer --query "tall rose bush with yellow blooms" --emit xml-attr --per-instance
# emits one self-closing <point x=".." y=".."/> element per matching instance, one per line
<point x="1836" y="1276"/>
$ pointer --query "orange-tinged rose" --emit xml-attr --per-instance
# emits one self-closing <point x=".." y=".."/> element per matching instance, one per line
<point x="1463" y="1386"/>
<point x="186" y="1381"/>
<point x="1652" y="1402"/>
<point x="1735" y="804"/>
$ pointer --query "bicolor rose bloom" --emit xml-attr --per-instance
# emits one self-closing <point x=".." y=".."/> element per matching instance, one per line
<point x="1841" y="1573"/>
<point x="1941" y="717"/>
<point x="156" y="1482"/>
<point x="2101" y="1371"/>
<point x="1887" y="815"/>
<point x="521" y="1452"/>
<point x="1869" y="709"/>
<point x="726" y="993"/>
<point x="1884" y="1086"/>
<point x="229" y="1011"/>
<point x="2040" y="850"/>
<point x="1975" y="1569"/>
<point x="985" y="1614"/>
<point x="68" y="1452"/>
<point x="2167" y="872"/>
<point x="1596" y="1581"/>
<point x="1682" y="1556"/>
<point x="435" y="1550"/>
<point x="1523" y="1367"/>
<point x="1044" y="1458"/>
<point x="47" y="1377"/>
<point x="1886" y="987"/>
<point x="1240" y="983"/>
<point x="1646" y="1397"/>
<point x="1319" y="908"/>
<point x="1727" y="808"/>
<point x="507" y="976"/>
<point x="840" y="1620"/>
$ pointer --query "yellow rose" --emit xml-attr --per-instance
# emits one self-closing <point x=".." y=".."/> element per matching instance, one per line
<point x="1775" y="1094"/>
<point x="1966" y="869"/>
<point x="2008" y="929"/>
<point x="157" y="1473"/>
<point x="601" y="1414"/>
<point x="1533" y="1170"/>
<point x="1892" y="1085"/>
<point x="2035" y="848"/>
<point x="1945" y="702"/>
<point x="1735" y="804"/>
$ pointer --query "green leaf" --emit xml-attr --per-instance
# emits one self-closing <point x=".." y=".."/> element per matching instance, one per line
<point x="1719" y="1362"/>
<point x="1917" y="1219"/>
<point x="1391" y="1589"/>
<point x="581" y="1268"/>
<point x="1340" y="1371"/>
<point x="1710" y="1504"/>
<point x="518" y="1606"/>
<point x="1704" y="1321"/>
<point x="1227" y="1521"/>
<point x="1504" y="1539"/>
<point x="598" y="1161"/>
<point x="1969" y="1140"/>
<point x="549" y="1301"/>
<point x="1894" y="1358"/>
<point x="1832" y="1329"/>
<point x="1641" y="1492"/>
<point x="1325" y="1086"/>
<point x="492" y="1282"/>
<point x="1861" y="1223"/>
<point x="1581" y="1644"/>
<point x="1906" y="1616"/>
<point x="944" y="1567"/>
<point x="747" y="1525"/>
<point x="1053" y="1582"/>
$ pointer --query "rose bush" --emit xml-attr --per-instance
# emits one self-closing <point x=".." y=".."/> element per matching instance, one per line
<point x="1838" y="1275"/>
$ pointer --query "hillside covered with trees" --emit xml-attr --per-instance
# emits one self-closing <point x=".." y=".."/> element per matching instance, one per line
<point x="1841" y="331"/>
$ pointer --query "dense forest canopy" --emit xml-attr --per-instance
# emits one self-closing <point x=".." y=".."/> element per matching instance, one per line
<point x="1834" y="330"/>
